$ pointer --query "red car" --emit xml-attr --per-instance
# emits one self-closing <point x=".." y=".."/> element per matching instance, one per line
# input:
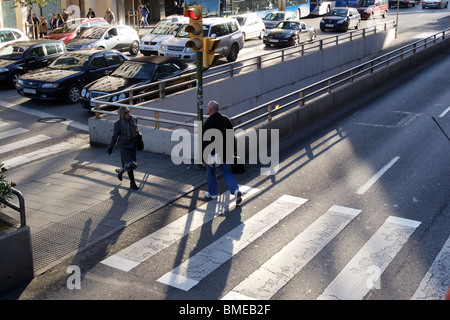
<point x="71" y="28"/>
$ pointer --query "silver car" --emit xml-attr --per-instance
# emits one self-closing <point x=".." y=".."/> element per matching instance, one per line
<point x="252" y="26"/>
<point x="225" y="29"/>
<point x="111" y="37"/>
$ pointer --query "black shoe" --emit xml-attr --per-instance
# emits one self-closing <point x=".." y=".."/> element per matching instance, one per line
<point x="134" y="186"/>
<point x="119" y="174"/>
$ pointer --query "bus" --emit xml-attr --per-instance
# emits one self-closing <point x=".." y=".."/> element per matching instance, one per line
<point x="321" y="7"/>
<point x="224" y="8"/>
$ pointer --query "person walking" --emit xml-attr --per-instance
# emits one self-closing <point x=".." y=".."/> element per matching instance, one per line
<point x="44" y="26"/>
<point x="90" y="14"/>
<point x="144" y="12"/>
<point x="124" y="136"/>
<point x="109" y="16"/>
<point x="35" y="23"/>
<point x="218" y="121"/>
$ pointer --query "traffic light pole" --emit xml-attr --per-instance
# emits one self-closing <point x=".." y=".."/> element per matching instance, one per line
<point x="199" y="64"/>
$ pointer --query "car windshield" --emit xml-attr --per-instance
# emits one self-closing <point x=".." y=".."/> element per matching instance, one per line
<point x="274" y="16"/>
<point x="288" y="25"/>
<point x="183" y="34"/>
<point x="92" y="33"/>
<point x="71" y="61"/>
<point x="338" y="12"/>
<point x="68" y="27"/>
<point x="166" y="28"/>
<point x="364" y="3"/>
<point x="12" y="52"/>
<point x="135" y="70"/>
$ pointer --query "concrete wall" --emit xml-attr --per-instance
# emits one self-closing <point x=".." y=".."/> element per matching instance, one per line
<point x="251" y="89"/>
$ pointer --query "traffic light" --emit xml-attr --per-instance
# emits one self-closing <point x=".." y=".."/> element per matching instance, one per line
<point x="195" y="28"/>
<point x="210" y="57"/>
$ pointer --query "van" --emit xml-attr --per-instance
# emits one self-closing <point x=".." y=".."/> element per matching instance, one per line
<point x="226" y="30"/>
<point x="369" y="9"/>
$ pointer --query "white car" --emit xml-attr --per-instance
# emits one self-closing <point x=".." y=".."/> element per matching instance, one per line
<point x="164" y="30"/>
<point x="434" y="4"/>
<point x="251" y="25"/>
<point x="10" y="35"/>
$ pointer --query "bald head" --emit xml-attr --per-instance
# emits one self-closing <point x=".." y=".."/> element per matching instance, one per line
<point x="213" y="107"/>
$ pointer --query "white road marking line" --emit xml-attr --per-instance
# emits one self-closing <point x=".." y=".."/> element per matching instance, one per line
<point x="23" y="143"/>
<point x="192" y="271"/>
<point x="444" y="113"/>
<point x="28" y="157"/>
<point x="284" y="265"/>
<point x="377" y="176"/>
<point x="164" y="237"/>
<point x="437" y="279"/>
<point x="362" y="273"/>
<point x="12" y="132"/>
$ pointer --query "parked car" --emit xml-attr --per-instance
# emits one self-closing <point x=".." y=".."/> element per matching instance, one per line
<point x="72" y="28"/>
<point x="341" y="19"/>
<point x="134" y="73"/>
<point x="11" y="35"/>
<point x="251" y="25"/>
<point x="369" y="9"/>
<point x="402" y="3"/>
<point x="111" y="37"/>
<point x="273" y="18"/>
<point x="225" y="29"/>
<point x="21" y="57"/>
<point x="289" y="33"/>
<point x="64" y="78"/>
<point x="434" y="4"/>
<point x="164" y="30"/>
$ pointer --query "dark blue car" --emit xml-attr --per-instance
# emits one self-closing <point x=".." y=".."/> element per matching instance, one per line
<point x="341" y="19"/>
<point x="64" y="78"/>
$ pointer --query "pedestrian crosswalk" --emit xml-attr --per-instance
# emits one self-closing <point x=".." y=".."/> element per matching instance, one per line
<point x="361" y="274"/>
<point x="23" y="140"/>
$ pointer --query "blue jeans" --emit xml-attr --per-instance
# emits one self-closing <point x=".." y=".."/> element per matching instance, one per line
<point x="228" y="175"/>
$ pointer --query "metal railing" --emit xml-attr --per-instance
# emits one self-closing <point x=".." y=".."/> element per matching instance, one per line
<point x="160" y="89"/>
<point x="302" y="96"/>
<point x="20" y="208"/>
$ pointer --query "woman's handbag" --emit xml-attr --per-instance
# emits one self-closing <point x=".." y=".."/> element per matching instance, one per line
<point x="139" y="142"/>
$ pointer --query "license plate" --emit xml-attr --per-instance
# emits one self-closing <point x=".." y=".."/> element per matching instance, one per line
<point x="329" y="25"/>
<point x="26" y="90"/>
<point x="174" y="55"/>
<point x="273" y="40"/>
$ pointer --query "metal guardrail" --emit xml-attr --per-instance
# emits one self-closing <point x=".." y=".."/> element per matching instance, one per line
<point x="160" y="88"/>
<point x="325" y="86"/>
<point x="20" y="208"/>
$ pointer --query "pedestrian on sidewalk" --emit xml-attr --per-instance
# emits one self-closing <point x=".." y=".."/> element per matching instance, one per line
<point x="218" y="121"/>
<point x="124" y="136"/>
<point x="144" y="11"/>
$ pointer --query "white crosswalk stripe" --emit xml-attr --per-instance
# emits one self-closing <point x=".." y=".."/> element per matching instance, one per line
<point x="147" y="247"/>
<point x="190" y="272"/>
<point x="27" y="142"/>
<point x="362" y="273"/>
<point x="353" y="282"/>
<point x="283" y="266"/>
<point x="437" y="280"/>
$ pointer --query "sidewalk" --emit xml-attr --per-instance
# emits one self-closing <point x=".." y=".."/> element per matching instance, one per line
<point x="74" y="200"/>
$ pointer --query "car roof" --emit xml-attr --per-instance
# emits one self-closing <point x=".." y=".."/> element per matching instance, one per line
<point x="217" y="20"/>
<point x="156" y="59"/>
<point x="89" y="52"/>
<point x="33" y="42"/>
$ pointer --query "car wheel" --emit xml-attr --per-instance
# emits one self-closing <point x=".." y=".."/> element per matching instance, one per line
<point x="73" y="94"/>
<point x="357" y="24"/>
<point x="295" y="41"/>
<point x="134" y="49"/>
<point x="244" y="36"/>
<point x="314" y="36"/>
<point x="13" y="79"/>
<point x="233" y="54"/>
<point x="261" y="34"/>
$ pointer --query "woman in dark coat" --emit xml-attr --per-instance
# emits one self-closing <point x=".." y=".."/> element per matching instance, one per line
<point x="124" y="135"/>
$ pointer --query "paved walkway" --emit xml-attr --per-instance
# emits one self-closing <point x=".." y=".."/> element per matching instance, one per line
<point x="74" y="200"/>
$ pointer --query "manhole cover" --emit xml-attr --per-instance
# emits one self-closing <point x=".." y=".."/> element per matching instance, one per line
<point x="52" y="120"/>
